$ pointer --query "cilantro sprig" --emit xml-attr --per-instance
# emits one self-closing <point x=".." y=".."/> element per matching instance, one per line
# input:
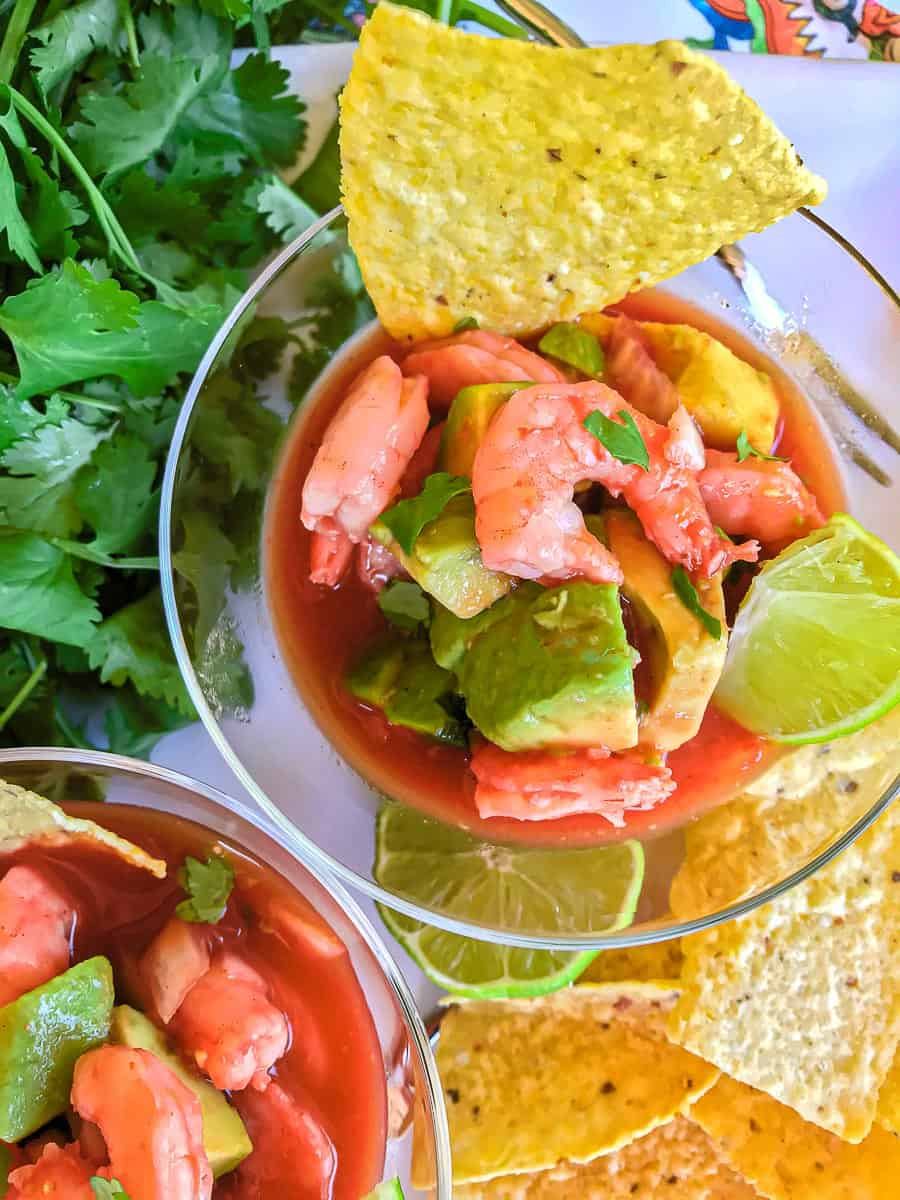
<point x="107" y="1189"/>
<point x="623" y="441"/>
<point x="208" y="886"/>
<point x="745" y="450"/>
<point x="689" y="597"/>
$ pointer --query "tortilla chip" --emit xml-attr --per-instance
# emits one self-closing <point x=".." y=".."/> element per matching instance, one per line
<point x="26" y="817"/>
<point x="566" y="1077"/>
<point x="659" y="960"/>
<point x="786" y="1158"/>
<point x="801" y="998"/>
<point x="888" y="1113"/>
<point x="762" y="837"/>
<point x="677" y="1156"/>
<point x="522" y="184"/>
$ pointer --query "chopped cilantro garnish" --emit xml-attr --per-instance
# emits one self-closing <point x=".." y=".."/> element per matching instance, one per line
<point x="576" y="346"/>
<point x="408" y="518"/>
<point x="404" y="604"/>
<point x="208" y="886"/>
<point x="623" y="441"/>
<point x="465" y="323"/>
<point x="108" y="1189"/>
<point x="745" y="450"/>
<point x="687" y="594"/>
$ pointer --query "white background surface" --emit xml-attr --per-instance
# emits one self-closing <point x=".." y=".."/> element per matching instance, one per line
<point x="843" y="117"/>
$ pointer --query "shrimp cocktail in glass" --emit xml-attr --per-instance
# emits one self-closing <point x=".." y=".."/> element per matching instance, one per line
<point x="177" y="1020"/>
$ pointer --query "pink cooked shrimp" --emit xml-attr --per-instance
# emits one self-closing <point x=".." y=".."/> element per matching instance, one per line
<point x="289" y="1145"/>
<point x="475" y="356"/>
<point x="176" y="959"/>
<point x="534" y="453"/>
<point x="538" y="785"/>
<point x="356" y="470"/>
<point x="36" y="923"/>
<point x="758" y="498"/>
<point x="230" y="1027"/>
<point x="59" y="1173"/>
<point x="150" y="1121"/>
<point x="633" y="373"/>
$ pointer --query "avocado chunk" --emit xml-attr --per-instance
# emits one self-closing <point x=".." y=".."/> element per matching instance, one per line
<point x="451" y="636"/>
<point x="553" y="668"/>
<point x="446" y="560"/>
<point x="41" y="1036"/>
<point x="470" y="414"/>
<point x="399" y="676"/>
<point x="685" y="661"/>
<point x="224" y="1137"/>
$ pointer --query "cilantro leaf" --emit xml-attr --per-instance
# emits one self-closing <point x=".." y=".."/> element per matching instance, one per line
<point x="408" y="518"/>
<point x="12" y="223"/>
<point x="108" y="1189"/>
<point x="133" y="645"/>
<point x="687" y="594"/>
<point x="285" y="213"/>
<point x="39" y="593"/>
<point x="465" y="323"/>
<point x="252" y="113"/>
<point x="134" y="724"/>
<point x="623" y="441"/>
<point x="234" y="431"/>
<point x="116" y="494"/>
<point x="71" y="37"/>
<point x="404" y="604"/>
<point x="745" y="450"/>
<point x="68" y="326"/>
<point x="52" y="212"/>
<point x="576" y="346"/>
<point x="208" y="886"/>
<point x="19" y="418"/>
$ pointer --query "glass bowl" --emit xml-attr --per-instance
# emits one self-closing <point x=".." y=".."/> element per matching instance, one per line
<point x="822" y="314"/>
<point x="411" y="1080"/>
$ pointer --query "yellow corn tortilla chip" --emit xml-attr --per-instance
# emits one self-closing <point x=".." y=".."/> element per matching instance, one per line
<point x="724" y="394"/>
<point x="786" y="1158"/>
<point x="26" y="817"/>
<point x="794" y="811"/>
<point x="660" y="960"/>
<point x="677" y="1159"/>
<point x="522" y="184"/>
<point x="888" y="1112"/>
<point x="566" y="1077"/>
<point x="801" y="998"/>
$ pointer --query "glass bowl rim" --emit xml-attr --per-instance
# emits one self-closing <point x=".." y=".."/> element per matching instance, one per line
<point x="304" y="847"/>
<point x="400" y="989"/>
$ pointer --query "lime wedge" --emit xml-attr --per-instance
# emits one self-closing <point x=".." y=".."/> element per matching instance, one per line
<point x="815" y="650"/>
<point x="515" y="888"/>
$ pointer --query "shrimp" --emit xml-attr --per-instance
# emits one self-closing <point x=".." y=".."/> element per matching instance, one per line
<point x="758" y="498"/>
<point x="365" y="450"/>
<point x="150" y="1121"/>
<point x="176" y="959"/>
<point x="36" y="923"/>
<point x="230" y="1027"/>
<point x="59" y="1173"/>
<point x="632" y="372"/>
<point x="475" y="356"/>
<point x="534" y="453"/>
<point x="289" y="1145"/>
<point x="538" y="785"/>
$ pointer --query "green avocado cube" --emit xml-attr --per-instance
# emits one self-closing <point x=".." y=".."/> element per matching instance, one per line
<point x="451" y="636"/>
<point x="553" y="668"/>
<point x="399" y="676"/>
<point x="446" y="560"/>
<point x="42" y="1034"/>
<point x="225" y="1138"/>
<point x="470" y="414"/>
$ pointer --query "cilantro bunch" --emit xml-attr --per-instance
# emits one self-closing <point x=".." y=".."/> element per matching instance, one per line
<point x="141" y="167"/>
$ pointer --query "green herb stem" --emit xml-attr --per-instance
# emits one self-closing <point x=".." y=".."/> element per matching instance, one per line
<point x="14" y="37"/>
<point x="83" y="550"/>
<point x="70" y="397"/>
<point x="130" y="33"/>
<point x="37" y="674"/>
<point x="469" y="11"/>
<point x="70" y="733"/>
<point x="443" y="11"/>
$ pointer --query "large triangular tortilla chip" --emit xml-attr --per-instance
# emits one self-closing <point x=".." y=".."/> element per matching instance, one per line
<point x="26" y="818"/>
<point x="522" y="184"/>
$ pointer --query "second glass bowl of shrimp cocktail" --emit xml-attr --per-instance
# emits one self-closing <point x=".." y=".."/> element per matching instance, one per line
<point x="389" y="731"/>
<point x="188" y="1010"/>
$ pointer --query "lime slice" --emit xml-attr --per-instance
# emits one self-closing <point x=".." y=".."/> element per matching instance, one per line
<point x="815" y="650"/>
<point x="516" y="888"/>
<point x="386" y="1191"/>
